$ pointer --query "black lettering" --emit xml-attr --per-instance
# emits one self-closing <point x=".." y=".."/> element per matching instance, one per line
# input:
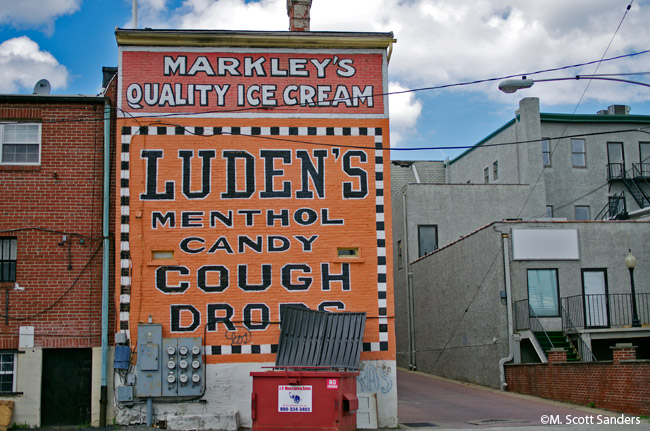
<point x="256" y="245"/>
<point x="309" y="171"/>
<point x="349" y="192"/>
<point x="287" y="277"/>
<point x="343" y="277"/>
<point x="176" y="324"/>
<point x="161" y="279"/>
<point x="202" y="278"/>
<point x="157" y="218"/>
<point x="270" y="172"/>
<point x="261" y="324"/>
<point x="277" y="243"/>
<point x="242" y="280"/>
<point x="299" y="216"/>
<point x="271" y="216"/>
<point x="152" y="194"/>
<point x="221" y="244"/>
<point x="231" y="173"/>
<point x="213" y="319"/>
<point x="185" y="245"/>
<point x="206" y="165"/>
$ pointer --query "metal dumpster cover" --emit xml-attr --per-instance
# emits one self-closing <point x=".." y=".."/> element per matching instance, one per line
<point x="311" y="338"/>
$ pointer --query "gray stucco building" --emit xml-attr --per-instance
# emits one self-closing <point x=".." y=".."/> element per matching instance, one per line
<point x="453" y="223"/>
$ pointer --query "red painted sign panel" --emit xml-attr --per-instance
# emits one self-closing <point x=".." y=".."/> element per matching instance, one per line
<point x="249" y="82"/>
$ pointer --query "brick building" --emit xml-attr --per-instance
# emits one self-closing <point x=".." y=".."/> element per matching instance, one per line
<point x="51" y="251"/>
<point x="253" y="174"/>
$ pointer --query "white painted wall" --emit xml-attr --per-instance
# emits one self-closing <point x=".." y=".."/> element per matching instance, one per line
<point x="229" y="388"/>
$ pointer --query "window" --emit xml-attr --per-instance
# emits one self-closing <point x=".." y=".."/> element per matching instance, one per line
<point x="644" y="156"/>
<point x="549" y="211"/>
<point x="21" y="143"/>
<point x="427" y="239"/>
<point x="495" y="170"/>
<point x="399" y="254"/>
<point x="347" y="252"/>
<point x="8" y="259"/>
<point x="7" y="369"/>
<point x="486" y="175"/>
<point x="582" y="212"/>
<point x="543" y="292"/>
<point x="546" y="152"/>
<point x="578" y="153"/>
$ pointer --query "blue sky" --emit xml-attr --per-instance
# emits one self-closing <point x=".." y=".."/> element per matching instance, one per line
<point x="440" y="42"/>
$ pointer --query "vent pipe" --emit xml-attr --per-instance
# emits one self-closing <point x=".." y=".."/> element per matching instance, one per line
<point x="298" y="11"/>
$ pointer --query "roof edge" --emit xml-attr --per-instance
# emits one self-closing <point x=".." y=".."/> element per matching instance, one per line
<point x="302" y="39"/>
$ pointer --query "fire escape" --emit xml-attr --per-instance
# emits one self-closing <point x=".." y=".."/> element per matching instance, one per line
<point x="636" y="182"/>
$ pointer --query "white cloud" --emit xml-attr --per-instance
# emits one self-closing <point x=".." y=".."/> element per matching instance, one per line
<point x="35" y="13"/>
<point x="234" y="15"/>
<point x="450" y="41"/>
<point x="23" y="63"/>
<point x="405" y="110"/>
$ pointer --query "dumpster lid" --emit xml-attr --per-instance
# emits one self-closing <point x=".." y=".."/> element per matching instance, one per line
<point x="320" y="339"/>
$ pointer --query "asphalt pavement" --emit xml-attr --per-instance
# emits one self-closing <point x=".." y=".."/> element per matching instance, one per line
<point x="430" y="403"/>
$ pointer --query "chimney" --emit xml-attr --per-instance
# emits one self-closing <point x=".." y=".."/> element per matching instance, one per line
<point x="298" y="11"/>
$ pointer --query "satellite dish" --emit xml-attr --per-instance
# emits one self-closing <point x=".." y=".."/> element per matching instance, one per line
<point x="42" y="87"/>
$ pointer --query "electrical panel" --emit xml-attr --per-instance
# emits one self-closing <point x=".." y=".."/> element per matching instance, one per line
<point x="148" y="383"/>
<point x="168" y="367"/>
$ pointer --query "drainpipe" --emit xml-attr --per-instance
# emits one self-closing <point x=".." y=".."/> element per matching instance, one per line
<point x="511" y="342"/>
<point x="409" y="289"/>
<point x="103" y="401"/>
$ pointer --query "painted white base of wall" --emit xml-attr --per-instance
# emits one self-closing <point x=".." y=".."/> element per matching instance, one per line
<point x="228" y="395"/>
<point x="27" y="406"/>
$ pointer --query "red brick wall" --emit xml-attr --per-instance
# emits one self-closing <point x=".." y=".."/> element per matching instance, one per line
<point x="39" y="205"/>
<point x="622" y="385"/>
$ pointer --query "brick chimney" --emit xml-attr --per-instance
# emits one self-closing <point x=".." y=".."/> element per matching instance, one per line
<point x="298" y="11"/>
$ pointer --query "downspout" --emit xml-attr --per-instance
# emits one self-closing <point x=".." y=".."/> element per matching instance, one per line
<point x="103" y="401"/>
<point x="409" y="291"/>
<point x="511" y="347"/>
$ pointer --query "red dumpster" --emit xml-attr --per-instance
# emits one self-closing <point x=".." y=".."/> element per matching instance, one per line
<point x="313" y="400"/>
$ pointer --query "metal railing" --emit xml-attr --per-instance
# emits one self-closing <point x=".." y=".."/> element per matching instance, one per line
<point x="616" y="208"/>
<point x="615" y="171"/>
<point x="641" y="170"/>
<point x="605" y="311"/>
<point x="579" y="345"/>
<point x="525" y="318"/>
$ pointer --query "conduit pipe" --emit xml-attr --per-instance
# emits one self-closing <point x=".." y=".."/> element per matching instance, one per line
<point x="409" y="288"/>
<point x="511" y="349"/>
<point x="103" y="398"/>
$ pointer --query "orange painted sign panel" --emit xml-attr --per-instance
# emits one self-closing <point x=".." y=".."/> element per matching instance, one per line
<point x="224" y="220"/>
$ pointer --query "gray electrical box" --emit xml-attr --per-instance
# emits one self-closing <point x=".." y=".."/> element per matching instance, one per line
<point x="168" y="367"/>
<point x="148" y="383"/>
<point x="125" y="394"/>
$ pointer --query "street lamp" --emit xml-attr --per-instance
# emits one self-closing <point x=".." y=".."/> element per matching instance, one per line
<point x="630" y="262"/>
<point x="512" y="85"/>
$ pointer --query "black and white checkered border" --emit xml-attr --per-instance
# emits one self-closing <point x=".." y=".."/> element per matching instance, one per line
<point x="125" y="250"/>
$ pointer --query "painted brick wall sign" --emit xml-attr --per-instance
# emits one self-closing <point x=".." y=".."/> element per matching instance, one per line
<point x="235" y="81"/>
<point x="251" y="179"/>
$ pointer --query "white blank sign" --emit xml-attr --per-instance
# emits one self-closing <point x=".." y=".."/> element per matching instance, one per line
<point x="545" y="244"/>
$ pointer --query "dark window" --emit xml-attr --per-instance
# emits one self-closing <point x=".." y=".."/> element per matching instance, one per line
<point x="8" y="259"/>
<point x="549" y="211"/>
<point x="546" y="152"/>
<point x="495" y="170"/>
<point x="578" y="153"/>
<point x="486" y="175"/>
<point x="582" y="212"/>
<point x="399" y="254"/>
<point x="7" y="368"/>
<point x="543" y="292"/>
<point x="427" y="239"/>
